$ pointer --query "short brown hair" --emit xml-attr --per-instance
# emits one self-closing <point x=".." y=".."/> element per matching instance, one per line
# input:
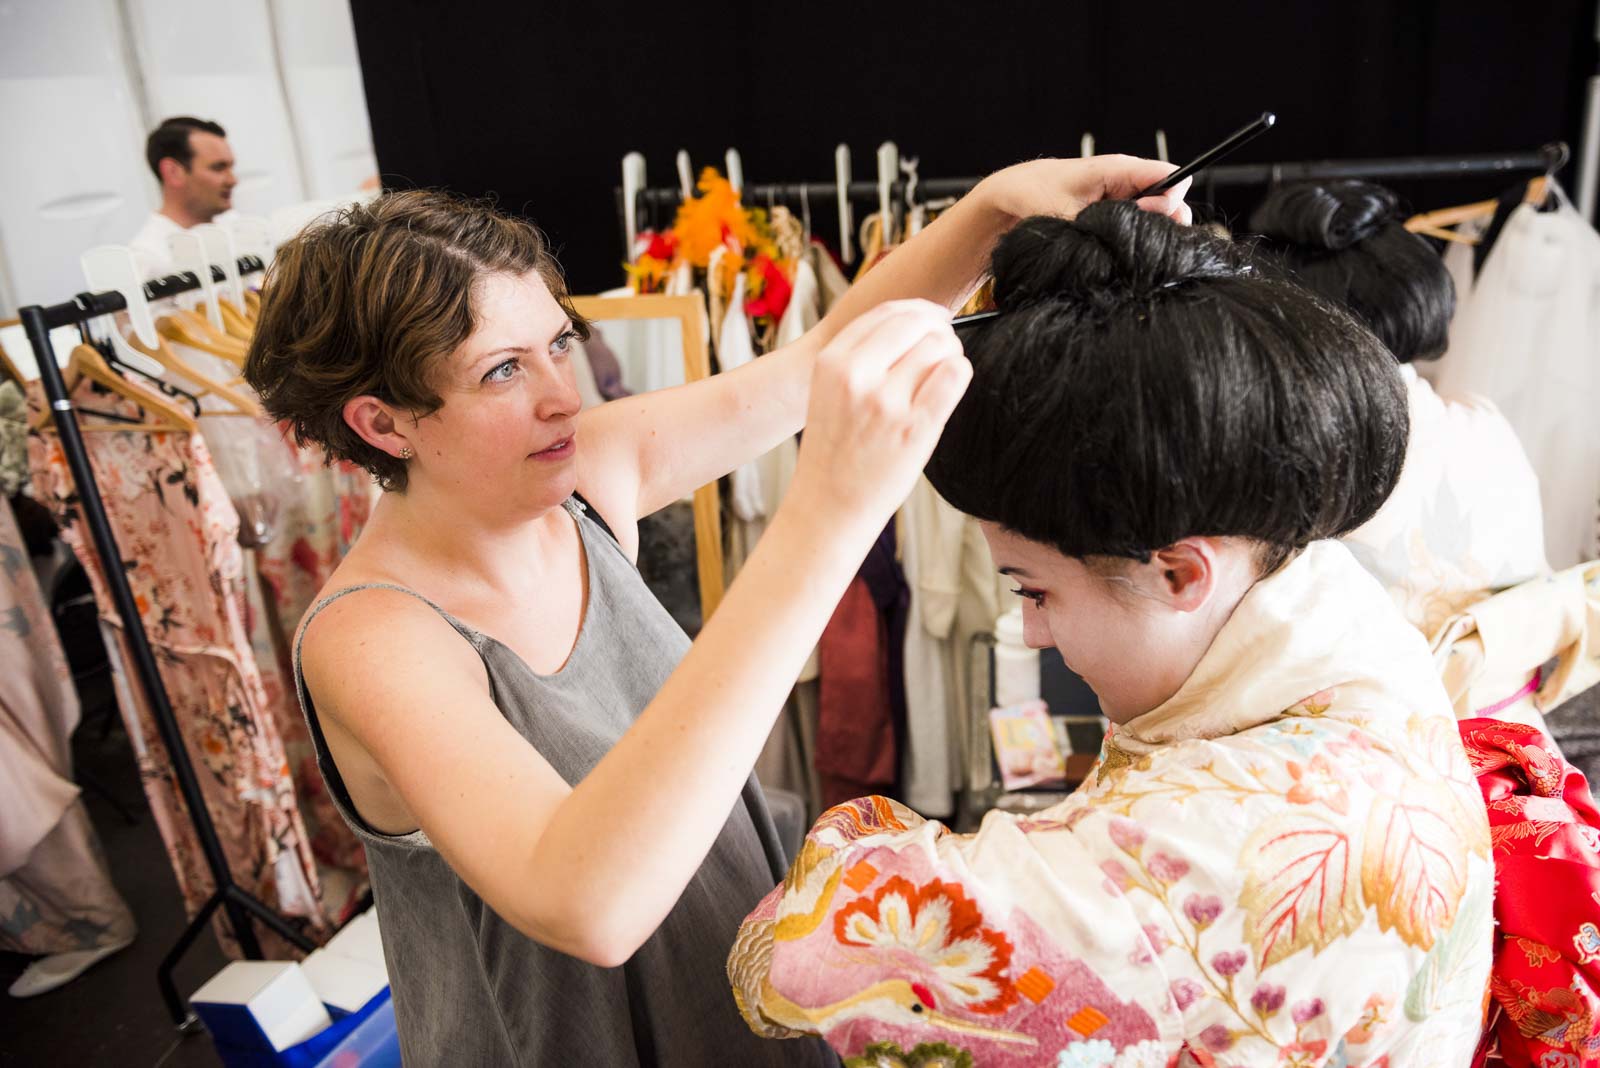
<point x="170" y="140"/>
<point x="369" y="300"/>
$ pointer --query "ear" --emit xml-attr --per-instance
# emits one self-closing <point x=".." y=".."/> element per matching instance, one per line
<point x="172" y="172"/>
<point x="1186" y="572"/>
<point x="377" y="424"/>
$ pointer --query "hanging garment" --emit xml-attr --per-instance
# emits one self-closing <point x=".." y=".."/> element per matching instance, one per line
<point x="1527" y="339"/>
<point x="735" y="350"/>
<point x="151" y="253"/>
<point x="855" y="732"/>
<point x="1464" y="519"/>
<point x="56" y="895"/>
<point x="1546" y="834"/>
<point x="470" y="989"/>
<point x="1288" y="861"/>
<point x="13" y="439"/>
<point x="178" y="533"/>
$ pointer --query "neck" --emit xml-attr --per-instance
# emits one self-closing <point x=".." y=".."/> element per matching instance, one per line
<point x="470" y="551"/>
<point x="180" y="214"/>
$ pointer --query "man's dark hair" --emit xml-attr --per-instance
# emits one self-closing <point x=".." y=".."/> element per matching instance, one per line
<point x="171" y="140"/>
<point x="1144" y="383"/>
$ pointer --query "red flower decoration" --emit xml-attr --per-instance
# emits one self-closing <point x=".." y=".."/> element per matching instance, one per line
<point x="775" y="291"/>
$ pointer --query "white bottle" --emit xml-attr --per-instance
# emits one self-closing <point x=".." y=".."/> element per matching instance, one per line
<point x="1016" y="667"/>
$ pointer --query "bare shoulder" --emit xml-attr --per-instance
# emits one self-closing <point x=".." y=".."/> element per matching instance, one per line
<point x="373" y="645"/>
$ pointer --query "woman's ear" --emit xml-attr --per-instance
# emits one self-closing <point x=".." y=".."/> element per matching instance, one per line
<point x="376" y="423"/>
<point x="1186" y="572"/>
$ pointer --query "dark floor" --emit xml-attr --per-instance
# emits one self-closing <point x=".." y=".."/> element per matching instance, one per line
<point x="113" y="1014"/>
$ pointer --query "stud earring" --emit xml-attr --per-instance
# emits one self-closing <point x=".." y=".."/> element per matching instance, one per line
<point x="406" y="453"/>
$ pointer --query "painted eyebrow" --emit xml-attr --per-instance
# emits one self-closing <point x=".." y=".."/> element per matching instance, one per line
<point x="1017" y="571"/>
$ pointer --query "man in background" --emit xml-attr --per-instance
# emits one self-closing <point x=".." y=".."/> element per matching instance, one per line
<point x="192" y="161"/>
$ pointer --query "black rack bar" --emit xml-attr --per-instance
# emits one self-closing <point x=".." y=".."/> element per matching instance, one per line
<point x="238" y="904"/>
<point x="654" y="201"/>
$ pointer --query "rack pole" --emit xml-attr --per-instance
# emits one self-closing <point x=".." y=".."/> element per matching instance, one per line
<point x="235" y="901"/>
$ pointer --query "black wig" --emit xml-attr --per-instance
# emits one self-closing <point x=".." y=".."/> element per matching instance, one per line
<point x="1345" y="240"/>
<point x="1144" y="383"/>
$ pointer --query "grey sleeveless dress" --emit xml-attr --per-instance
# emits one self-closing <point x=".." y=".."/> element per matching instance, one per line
<point x="469" y="989"/>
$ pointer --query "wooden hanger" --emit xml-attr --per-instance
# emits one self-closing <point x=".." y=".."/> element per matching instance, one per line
<point x="160" y="412"/>
<point x="241" y="403"/>
<point x="196" y="331"/>
<point x="252" y="305"/>
<point x="1437" y="223"/>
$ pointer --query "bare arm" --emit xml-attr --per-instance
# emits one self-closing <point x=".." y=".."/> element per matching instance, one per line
<point x="642" y="453"/>
<point x="593" y="870"/>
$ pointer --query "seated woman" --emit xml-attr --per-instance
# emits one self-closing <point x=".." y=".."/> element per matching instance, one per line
<point x="1464" y="519"/>
<point x="1282" y="857"/>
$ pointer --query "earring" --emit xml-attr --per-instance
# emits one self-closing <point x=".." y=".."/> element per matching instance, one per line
<point x="406" y="453"/>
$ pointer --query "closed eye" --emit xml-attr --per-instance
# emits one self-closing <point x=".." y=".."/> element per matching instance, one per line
<point x="1036" y="596"/>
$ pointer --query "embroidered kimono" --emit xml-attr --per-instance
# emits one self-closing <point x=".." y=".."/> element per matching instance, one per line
<point x="1287" y="863"/>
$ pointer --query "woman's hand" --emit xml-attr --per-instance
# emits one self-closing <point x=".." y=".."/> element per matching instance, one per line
<point x="880" y="395"/>
<point x="1064" y="187"/>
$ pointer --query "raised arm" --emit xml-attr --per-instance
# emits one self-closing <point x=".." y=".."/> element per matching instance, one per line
<point x="642" y="453"/>
<point x="592" y="870"/>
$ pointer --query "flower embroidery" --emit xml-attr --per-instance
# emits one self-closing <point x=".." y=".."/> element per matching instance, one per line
<point x="1303" y="1054"/>
<point x="1267" y="999"/>
<point x="1217" y="1038"/>
<point x="1096" y="1053"/>
<point x="1168" y="868"/>
<point x="1202" y="910"/>
<point x="934" y="929"/>
<point x="1229" y="964"/>
<point x="1186" y="992"/>
<point x="1128" y="835"/>
<point x="923" y="1055"/>
<point x="1374" y="1016"/>
<point x="1320" y="781"/>
<point x="1306" y="1011"/>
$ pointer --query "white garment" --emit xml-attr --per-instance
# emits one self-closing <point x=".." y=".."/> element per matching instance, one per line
<point x="1463" y="521"/>
<point x="735" y="350"/>
<point x="1528" y="338"/>
<point x="150" y="249"/>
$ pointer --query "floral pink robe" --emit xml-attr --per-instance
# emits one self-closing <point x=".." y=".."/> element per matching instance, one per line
<point x="1287" y="863"/>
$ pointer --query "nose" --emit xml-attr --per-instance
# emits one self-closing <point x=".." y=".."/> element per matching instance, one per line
<point x="558" y="396"/>
<point x="1036" y="628"/>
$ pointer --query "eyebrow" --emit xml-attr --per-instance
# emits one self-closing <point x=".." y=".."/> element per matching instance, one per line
<point x="1017" y="571"/>
<point x="566" y="326"/>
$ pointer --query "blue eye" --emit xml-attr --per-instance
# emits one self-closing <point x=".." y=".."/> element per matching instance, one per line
<point x="563" y="343"/>
<point x="501" y="372"/>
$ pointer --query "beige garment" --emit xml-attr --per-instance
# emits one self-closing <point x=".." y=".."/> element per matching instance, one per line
<point x="1487" y="656"/>
<point x="62" y="900"/>
<point x="1464" y="519"/>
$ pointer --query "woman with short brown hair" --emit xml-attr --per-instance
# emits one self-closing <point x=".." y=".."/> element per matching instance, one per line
<point x="541" y="765"/>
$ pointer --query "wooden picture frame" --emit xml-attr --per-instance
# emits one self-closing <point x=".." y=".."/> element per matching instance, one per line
<point x="694" y="325"/>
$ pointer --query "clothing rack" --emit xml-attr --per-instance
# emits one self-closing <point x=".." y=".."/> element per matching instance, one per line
<point x="238" y="904"/>
<point x="656" y="202"/>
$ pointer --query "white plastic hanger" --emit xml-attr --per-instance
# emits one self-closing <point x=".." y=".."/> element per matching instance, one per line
<point x="220" y="252"/>
<point x="1086" y="145"/>
<point x="1161" y="145"/>
<point x="685" y="173"/>
<point x="841" y="184"/>
<point x="888" y="171"/>
<point x="633" y="172"/>
<point x="188" y="254"/>
<point x="735" y="169"/>
<point x="113" y="267"/>
<point x="252" y="236"/>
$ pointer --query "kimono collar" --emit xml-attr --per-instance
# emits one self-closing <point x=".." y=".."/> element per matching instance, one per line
<point x="1319" y="622"/>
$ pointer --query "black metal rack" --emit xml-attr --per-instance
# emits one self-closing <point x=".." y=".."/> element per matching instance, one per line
<point x="239" y="905"/>
<point x="657" y="202"/>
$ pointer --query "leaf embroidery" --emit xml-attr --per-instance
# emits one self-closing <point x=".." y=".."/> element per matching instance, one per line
<point x="1436" y="985"/>
<point x="1300" y="886"/>
<point x="1414" y="863"/>
<point x="1538" y="953"/>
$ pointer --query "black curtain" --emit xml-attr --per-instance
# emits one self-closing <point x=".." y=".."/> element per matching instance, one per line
<point x="537" y="103"/>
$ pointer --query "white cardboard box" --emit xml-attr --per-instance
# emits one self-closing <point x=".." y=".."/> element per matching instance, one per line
<point x="344" y="984"/>
<point x="256" y="1003"/>
<point x="360" y="940"/>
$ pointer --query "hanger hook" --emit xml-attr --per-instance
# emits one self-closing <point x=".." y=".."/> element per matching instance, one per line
<point x="1556" y="155"/>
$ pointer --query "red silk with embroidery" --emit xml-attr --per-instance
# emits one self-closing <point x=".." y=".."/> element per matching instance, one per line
<point x="1544" y="1009"/>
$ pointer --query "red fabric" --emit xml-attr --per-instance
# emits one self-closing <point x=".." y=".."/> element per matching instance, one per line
<point x="855" y="729"/>
<point x="1545" y="1010"/>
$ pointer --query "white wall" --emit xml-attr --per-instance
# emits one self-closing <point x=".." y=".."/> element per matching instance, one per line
<point x="72" y="170"/>
<point x="82" y="82"/>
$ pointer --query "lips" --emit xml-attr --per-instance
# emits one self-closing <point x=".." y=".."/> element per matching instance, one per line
<point x="558" y="451"/>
